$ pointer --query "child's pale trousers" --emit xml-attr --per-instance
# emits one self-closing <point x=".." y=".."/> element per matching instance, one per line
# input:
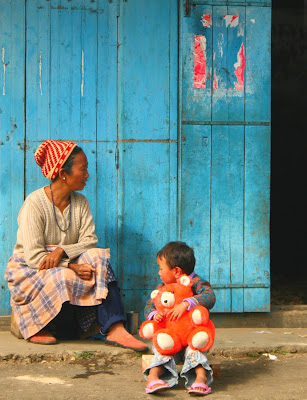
<point x="191" y="358"/>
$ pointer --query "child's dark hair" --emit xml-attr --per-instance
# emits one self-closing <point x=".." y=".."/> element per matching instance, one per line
<point x="178" y="254"/>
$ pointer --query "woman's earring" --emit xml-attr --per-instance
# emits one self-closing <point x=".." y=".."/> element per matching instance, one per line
<point x="64" y="178"/>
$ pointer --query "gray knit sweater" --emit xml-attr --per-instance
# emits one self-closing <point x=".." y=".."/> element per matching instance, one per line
<point x="37" y="228"/>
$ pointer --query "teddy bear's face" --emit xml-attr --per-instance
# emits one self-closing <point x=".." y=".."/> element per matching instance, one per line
<point x="173" y="293"/>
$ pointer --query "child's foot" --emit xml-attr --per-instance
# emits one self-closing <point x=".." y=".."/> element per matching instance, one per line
<point x="156" y="385"/>
<point x="199" y="389"/>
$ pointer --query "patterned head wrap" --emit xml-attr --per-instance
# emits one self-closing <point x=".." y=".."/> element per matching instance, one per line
<point x="51" y="155"/>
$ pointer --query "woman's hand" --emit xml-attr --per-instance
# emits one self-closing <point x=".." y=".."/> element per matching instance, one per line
<point x="176" y="312"/>
<point x="84" y="271"/>
<point x="52" y="259"/>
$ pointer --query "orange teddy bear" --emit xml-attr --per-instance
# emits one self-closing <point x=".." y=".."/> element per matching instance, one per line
<point x="193" y="329"/>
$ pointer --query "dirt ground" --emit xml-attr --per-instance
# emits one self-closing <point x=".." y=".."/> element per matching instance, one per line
<point x="250" y="378"/>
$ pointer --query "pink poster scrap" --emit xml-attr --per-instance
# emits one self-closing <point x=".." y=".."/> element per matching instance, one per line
<point x="239" y="68"/>
<point x="231" y="20"/>
<point x="206" y="20"/>
<point x="200" y="62"/>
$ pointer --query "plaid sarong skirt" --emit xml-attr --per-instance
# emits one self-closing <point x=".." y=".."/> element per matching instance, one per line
<point x="37" y="296"/>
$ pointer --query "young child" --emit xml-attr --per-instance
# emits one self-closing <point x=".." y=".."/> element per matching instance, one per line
<point x="174" y="260"/>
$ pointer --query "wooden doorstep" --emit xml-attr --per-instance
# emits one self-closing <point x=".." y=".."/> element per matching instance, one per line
<point x="14" y="328"/>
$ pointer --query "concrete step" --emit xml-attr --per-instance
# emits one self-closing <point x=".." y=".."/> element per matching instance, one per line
<point x="293" y="316"/>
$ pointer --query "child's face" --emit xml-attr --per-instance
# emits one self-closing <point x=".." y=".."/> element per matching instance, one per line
<point x="167" y="274"/>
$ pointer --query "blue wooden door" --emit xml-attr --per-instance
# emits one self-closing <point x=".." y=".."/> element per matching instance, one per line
<point x="225" y="147"/>
<point x="103" y="74"/>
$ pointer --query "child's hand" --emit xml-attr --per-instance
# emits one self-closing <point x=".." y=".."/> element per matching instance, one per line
<point x="176" y="312"/>
<point x="159" y="316"/>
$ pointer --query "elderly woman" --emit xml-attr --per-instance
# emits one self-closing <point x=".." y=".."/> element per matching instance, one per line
<point x="55" y="259"/>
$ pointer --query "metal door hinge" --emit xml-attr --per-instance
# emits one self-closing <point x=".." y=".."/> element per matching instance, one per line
<point x="187" y="8"/>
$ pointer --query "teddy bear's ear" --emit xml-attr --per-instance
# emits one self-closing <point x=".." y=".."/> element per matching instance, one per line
<point x="154" y="294"/>
<point x="185" y="280"/>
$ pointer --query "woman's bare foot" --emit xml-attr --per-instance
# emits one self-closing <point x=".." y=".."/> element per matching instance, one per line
<point x="118" y="335"/>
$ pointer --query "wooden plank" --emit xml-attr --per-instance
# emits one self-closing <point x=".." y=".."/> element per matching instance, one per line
<point x="146" y="183"/>
<point x="236" y="44"/>
<point x="144" y="69"/>
<point x="223" y="300"/>
<point x="257" y="217"/>
<point x="61" y="40"/>
<point x="74" y="53"/>
<point x="258" y="64"/>
<point x="147" y="142"/>
<point x="227" y="38"/>
<point x="257" y="300"/>
<point x="195" y="193"/>
<point x="107" y="73"/>
<point x="38" y="117"/>
<point x="88" y="89"/>
<point x="220" y="71"/>
<point x="220" y="208"/>
<point x="12" y="40"/>
<point x="55" y="56"/>
<point x="196" y="102"/>
<point x="236" y="213"/>
<point x="106" y="214"/>
<point x="106" y="206"/>
<point x="258" y="3"/>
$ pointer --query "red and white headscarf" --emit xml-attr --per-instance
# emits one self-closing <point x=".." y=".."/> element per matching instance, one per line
<point x="51" y="155"/>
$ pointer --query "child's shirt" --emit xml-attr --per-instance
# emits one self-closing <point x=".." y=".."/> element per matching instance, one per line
<point x="203" y="296"/>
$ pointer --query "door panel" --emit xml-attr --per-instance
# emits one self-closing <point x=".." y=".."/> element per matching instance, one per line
<point x="258" y="64"/>
<point x="228" y="37"/>
<point x="147" y="214"/>
<point x="227" y="209"/>
<point x="147" y="142"/>
<point x="256" y="224"/>
<point x="147" y="70"/>
<point x="196" y="103"/>
<point x="195" y="213"/>
<point x="224" y="80"/>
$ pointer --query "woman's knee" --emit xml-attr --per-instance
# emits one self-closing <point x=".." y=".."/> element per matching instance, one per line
<point x="96" y="252"/>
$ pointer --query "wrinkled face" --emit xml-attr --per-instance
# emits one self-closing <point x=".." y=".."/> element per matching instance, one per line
<point x="167" y="274"/>
<point x="76" y="180"/>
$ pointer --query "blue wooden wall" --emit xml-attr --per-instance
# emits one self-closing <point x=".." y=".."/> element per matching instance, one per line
<point x="12" y="131"/>
<point x="166" y="160"/>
